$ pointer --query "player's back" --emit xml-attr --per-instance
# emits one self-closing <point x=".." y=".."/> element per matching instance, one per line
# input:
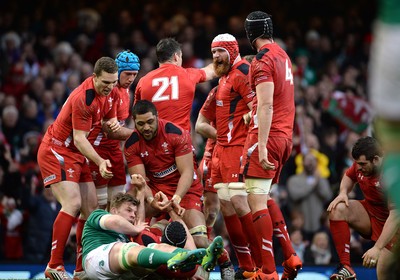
<point x="171" y="88"/>
<point x="272" y="64"/>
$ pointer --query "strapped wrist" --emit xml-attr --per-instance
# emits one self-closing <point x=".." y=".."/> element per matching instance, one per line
<point x="177" y="198"/>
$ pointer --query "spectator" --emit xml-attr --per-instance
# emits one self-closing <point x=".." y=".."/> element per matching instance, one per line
<point x="309" y="193"/>
<point x="42" y="210"/>
<point x="319" y="252"/>
<point x="11" y="221"/>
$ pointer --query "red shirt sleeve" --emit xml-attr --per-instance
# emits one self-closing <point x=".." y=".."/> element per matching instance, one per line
<point x="351" y="172"/>
<point x="182" y="143"/>
<point x="81" y="114"/>
<point x="208" y="109"/>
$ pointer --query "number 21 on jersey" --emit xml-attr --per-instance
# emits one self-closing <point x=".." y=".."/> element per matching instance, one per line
<point x="163" y="94"/>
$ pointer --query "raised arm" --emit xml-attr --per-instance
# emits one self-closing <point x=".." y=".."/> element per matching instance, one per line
<point x="210" y="73"/>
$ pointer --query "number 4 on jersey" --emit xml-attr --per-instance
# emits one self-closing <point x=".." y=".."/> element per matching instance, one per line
<point x="289" y="75"/>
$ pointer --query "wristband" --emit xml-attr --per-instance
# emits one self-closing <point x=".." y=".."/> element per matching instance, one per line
<point x="149" y="199"/>
<point x="177" y="198"/>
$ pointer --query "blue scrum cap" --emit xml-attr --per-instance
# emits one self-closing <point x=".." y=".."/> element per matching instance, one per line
<point x="127" y="61"/>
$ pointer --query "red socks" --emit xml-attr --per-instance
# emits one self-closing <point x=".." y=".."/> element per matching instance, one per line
<point x="79" y="230"/>
<point x="238" y="240"/>
<point x="249" y="231"/>
<point x="263" y="229"/>
<point x="61" y="229"/>
<point x="341" y="237"/>
<point x="280" y="229"/>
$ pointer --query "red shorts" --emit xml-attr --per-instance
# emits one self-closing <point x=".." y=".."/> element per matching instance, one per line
<point x="226" y="164"/>
<point x="205" y="174"/>
<point x="59" y="163"/>
<point x="117" y="167"/>
<point x="279" y="150"/>
<point x="191" y="200"/>
<point x="377" y="227"/>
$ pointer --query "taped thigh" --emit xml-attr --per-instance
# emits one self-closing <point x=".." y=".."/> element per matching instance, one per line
<point x="258" y="186"/>
<point x="237" y="188"/>
<point x="222" y="191"/>
<point x="102" y="196"/>
<point x="123" y="257"/>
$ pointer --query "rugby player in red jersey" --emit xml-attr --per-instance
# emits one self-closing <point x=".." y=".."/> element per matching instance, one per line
<point x="63" y="156"/>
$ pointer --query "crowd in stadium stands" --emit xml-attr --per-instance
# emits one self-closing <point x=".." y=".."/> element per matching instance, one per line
<point x="47" y="48"/>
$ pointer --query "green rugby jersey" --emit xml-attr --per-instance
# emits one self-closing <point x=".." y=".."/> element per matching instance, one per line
<point x="94" y="236"/>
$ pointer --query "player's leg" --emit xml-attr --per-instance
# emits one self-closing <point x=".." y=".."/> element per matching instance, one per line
<point x="68" y="195"/>
<point x="341" y="219"/>
<point x="88" y="205"/>
<point x="195" y="221"/>
<point x="57" y="165"/>
<point x="385" y="262"/>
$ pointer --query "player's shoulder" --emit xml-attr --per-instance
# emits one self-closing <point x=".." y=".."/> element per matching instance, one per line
<point x="133" y="138"/>
<point x="262" y="54"/>
<point x="84" y="91"/>
<point x="170" y="128"/>
<point x="97" y="213"/>
<point x="242" y="67"/>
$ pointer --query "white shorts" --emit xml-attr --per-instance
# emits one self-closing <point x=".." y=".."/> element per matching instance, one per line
<point x="384" y="72"/>
<point x="96" y="264"/>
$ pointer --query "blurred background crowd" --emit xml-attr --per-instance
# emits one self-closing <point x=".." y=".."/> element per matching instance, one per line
<point x="47" y="48"/>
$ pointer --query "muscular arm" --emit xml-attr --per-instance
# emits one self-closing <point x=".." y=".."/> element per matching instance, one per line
<point x="122" y="133"/>
<point x="346" y="185"/>
<point x="210" y="74"/>
<point x="84" y="146"/>
<point x="265" y="98"/>
<point x="204" y="128"/>
<point x="372" y="256"/>
<point x="140" y="169"/>
<point x="118" y="224"/>
<point x="185" y="167"/>
<point x="389" y="230"/>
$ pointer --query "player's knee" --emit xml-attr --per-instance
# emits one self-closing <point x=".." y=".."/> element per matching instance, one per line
<point x="211" y="217"/>
<point x="222" y="191"/>
<point x="340" y="211"/>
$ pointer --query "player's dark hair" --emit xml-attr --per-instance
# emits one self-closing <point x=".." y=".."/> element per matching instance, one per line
<point x="142" y="107"/>
<point x="367" y="146"/>
<point x="166" y="48"/>
<point x="258" y="25"/>
<point x="121" y="198"/>
<point x="106" y="64"/>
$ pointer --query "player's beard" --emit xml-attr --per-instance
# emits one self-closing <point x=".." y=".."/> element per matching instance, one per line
<point x="221" y="68"/>
<point x="150" y="133"/>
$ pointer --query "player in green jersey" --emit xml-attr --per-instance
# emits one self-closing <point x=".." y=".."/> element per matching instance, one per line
<point x="108" y="252"/>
